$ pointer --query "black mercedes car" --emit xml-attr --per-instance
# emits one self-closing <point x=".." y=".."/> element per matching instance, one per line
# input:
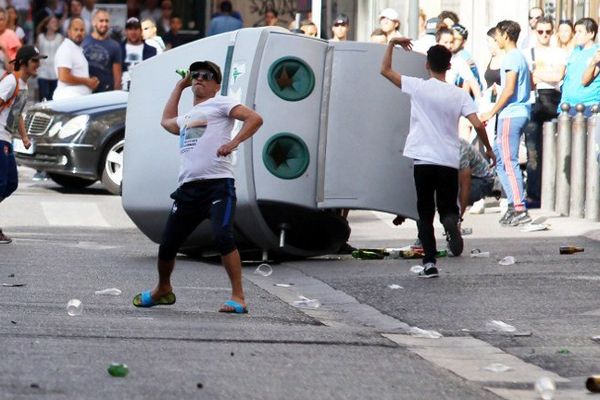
<point x="77" y="141"/>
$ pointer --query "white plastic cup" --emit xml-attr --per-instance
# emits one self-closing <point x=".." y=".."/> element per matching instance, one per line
<point x="264" y="270"/>
<point x="545" y="388"/>
<point x="74" y="307"/>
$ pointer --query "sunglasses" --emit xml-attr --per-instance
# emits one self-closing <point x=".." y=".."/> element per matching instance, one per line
<point x="205" y="75"/>
<point x="535" y="17"/>
<point x="547" y="32"/>
<point x="339" y="24"/>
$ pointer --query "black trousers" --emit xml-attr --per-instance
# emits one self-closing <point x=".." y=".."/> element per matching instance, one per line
<point x="435" y="184"/>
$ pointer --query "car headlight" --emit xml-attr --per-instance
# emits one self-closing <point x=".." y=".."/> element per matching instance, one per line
<point x="55" y="129"/>
<point x="73" y="126"/>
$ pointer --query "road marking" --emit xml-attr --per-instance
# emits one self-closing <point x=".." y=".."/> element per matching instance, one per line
<point x="464" y="355"/>
<point x="73" y="214"/>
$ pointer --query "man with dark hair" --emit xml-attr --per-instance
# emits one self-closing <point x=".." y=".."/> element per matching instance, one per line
<point x="433" y="144"/>
<point x="448" y="18"/>
<point x="206" y="184"/>
<point x="103" y="53"/>
<point x="581" y="84"/>
<point x="173" y="38"/>
<point x="271" y="19"/>
<point x="13" y="95"/>
<point x="513" y="109"/>
<point x="134" y="49"/>
<point x="224" y="22"/>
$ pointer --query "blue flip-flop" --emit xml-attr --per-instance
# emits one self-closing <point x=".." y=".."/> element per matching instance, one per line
<point x="145" y="300"/>
<point x="237" y="307"/>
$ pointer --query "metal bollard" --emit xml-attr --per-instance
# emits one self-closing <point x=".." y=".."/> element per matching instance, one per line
<point x="549" y="166"/>
<point x="563" y="161"/>
<point x="578" y="159"/>
<point x="592" y="178"/>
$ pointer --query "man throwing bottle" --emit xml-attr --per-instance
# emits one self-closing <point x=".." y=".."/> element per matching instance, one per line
<point x="206" y="184"/>
<point x="433" y="144"/>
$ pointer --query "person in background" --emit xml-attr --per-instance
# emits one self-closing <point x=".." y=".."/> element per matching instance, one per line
<point x="173" y="38"/>
<point x="389" y="22"/>
<point x="103" y="53"/>
<point x="378" y="36"/>
<point x="339" y="28"/>
<point x="88" y="11"/>
<point x="133" y="49"/>
<point x="13" y="23"/>
<point x="48" y="41"/>
<point x="547" y="65"/>
<point x="150" y="10"/>
<point x="581" y="84"/>
<point x="459" y="69"/>
<point x="271" y="18"/>
<point x="528" y="38"/>
<point x="163" y="24"/>
<point x="512" y="107"/>
<point x="447" y="19"/>
<point x="564" y="36"/>
<point x="75" y="10"/>
<point x="461" y="34"/>
<point x="234" y="14"/>
<point x="224" y="22"/>
<point x="9" y="41"/>
<point x="309" y="28"/>
<point x="71" y="65"/>
<point x="427" y="39"/>
<point x="150" y="36"/>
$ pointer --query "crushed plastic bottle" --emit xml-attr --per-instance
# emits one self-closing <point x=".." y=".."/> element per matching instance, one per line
<point x="394" y="286"/>
<point x="108" y="292"/>
<point x="508" y="260"/>
<point x="264" y="270"/>
<point x="545" y="387"/>
<point x="74" y="307"/>
<point x="305" y="302"/>
<point x="466" y="231"/>
<point x="423" y="333"/>
<point x="499" y="326"/>
<point x="417" y="269"/>
<point x="476" y="253"/>
<point x="118" y="370"/>
<point x="497" y="367"/>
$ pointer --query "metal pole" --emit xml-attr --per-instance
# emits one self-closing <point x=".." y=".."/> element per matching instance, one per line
<point x="549" y="166"/>
<point x="592" y="178"/>
<point x="413" y="19"/>
<point x="578" y="157"/>
<point x="563" y="157"/>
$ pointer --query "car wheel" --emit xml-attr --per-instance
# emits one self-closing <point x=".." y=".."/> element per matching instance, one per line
<point x="112" y="165"/>
<point x="70" y="182"/>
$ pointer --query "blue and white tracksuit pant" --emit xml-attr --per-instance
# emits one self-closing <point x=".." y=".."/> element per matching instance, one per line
<point x="506" y="148"/>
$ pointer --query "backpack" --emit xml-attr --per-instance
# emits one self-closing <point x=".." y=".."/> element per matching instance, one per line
<point x="12" y="98"/>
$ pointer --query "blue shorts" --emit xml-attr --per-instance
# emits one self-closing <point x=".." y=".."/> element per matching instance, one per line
<point x="194" y="202"/>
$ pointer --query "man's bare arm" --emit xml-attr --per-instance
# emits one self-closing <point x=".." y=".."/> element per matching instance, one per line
<point x="116" y="70"/>
<point x="386" y="64"/>
<point x="65" y="75"/>
<point x="252" y="121"/>
<point x="507" y="92"/>
<point x="169" y="117"/>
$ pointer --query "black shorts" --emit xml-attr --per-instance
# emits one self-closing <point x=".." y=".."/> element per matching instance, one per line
<point x="194" y="202"/>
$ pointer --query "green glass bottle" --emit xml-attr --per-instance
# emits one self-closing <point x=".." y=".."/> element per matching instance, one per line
<point x="118" y="370"/>
<point x="182" y="72"/>
<point x="367" y="255"/>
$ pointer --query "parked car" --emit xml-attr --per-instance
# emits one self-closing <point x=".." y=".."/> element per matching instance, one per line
<point x="77" y="141"/>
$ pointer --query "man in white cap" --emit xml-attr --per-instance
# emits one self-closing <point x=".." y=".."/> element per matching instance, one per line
<point x="389" y="22"/>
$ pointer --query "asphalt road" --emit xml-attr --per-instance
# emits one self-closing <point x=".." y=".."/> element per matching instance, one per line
<point x="355" y="346"/>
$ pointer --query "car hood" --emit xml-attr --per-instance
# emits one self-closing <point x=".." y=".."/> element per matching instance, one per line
<point x="82" y="103"/>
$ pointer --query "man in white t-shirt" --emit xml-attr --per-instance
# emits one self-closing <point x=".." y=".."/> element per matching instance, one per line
<point x="206" y="185"/>
<point x="71" y="65"/>
<point x="433" y="144"/>
<point x="547" y="65"/>
<point x="133" y="50"/>
<point x="13" y="95"/>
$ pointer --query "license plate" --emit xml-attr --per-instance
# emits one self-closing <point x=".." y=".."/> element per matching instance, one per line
<point x="18" y="147"/>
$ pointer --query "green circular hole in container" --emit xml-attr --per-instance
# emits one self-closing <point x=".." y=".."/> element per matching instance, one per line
<point x="291" y="79"/>
<point x="286" y="156"/>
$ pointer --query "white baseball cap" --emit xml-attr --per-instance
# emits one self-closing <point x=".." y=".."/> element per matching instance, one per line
<point x="389" y="13"/>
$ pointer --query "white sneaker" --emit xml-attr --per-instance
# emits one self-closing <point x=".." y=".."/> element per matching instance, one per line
<point x="478" y="207"/>
<point x="503" y="206"/>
